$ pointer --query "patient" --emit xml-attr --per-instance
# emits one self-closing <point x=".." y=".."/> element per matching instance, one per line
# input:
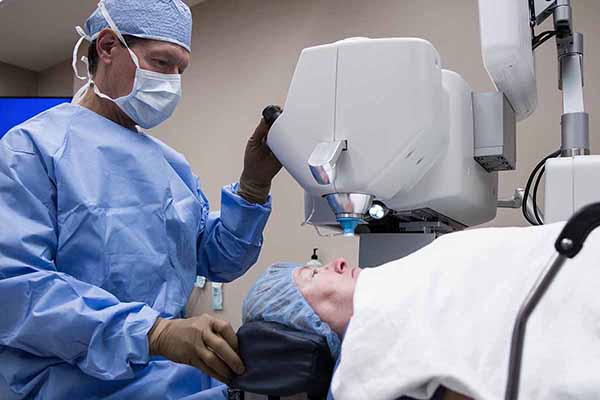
<point x="440" y="320"/>
<point x="313" y="299"/>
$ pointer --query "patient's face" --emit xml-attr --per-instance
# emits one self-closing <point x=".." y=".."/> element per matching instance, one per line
<point x="329" y="290"/>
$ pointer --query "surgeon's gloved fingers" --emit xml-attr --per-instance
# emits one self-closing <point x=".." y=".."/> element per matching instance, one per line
<point x="225" y="330"/>
<point x="214" y="363"/>
<point x="261" y="132"/>
<point x="224" y="351"/>
<point x="260" y="166"/>
<point x="257" y="148"/>
<point x="259" y="140"/>
<point x="202" y="366"/>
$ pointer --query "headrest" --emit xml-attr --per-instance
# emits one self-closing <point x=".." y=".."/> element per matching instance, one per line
<point x="281" y="361"/>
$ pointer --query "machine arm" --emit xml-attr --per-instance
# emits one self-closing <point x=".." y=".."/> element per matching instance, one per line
<point x="574" y="120"/>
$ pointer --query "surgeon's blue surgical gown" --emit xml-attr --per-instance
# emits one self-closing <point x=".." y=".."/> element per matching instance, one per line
<point x="102" y="230"/>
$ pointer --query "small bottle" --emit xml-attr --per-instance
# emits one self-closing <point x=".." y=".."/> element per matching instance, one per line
<point x="314" y="260"/>
<point x="217" y="296"/>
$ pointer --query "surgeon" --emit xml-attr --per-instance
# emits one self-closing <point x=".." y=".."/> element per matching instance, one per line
<point x="103" y="229"/>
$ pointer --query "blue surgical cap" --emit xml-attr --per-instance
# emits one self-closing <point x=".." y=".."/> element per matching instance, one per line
<point x="276" y="298"/>
<point x="166" y="20"/>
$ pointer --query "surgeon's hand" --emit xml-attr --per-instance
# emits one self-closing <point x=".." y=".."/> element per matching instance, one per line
<point x="260" y="167"/>
<point x="204" y="342"/>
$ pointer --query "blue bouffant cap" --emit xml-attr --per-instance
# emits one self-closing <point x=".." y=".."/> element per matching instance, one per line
<point x="166" y="20"/>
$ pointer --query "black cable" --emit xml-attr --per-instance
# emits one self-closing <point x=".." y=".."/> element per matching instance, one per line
<point x="532" y="12"/>
<point x="536" y="38"/>
<point x="530" y="180"/>
<point x="536" y="214"/>
<point x="524" y="206"/>
<point x="532" y="177"/>
<point x="532" y="19"/>
<point x="526" y="193"/>
<point x="542" y="38"/>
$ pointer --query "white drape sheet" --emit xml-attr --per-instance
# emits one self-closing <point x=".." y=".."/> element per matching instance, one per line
<point x="444" y="316"/>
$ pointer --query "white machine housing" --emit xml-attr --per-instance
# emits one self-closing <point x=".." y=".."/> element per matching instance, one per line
<point x="383" y="96"/>
<point x="407" y="122"/>
<point x="570" y="185"/>
<point x="507" y="54"/>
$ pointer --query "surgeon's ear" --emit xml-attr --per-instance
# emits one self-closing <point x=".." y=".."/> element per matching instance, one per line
<point x="106" y="42"/>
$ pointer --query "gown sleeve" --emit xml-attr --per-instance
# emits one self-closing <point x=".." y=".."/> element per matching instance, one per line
<point x="232" y="238"/>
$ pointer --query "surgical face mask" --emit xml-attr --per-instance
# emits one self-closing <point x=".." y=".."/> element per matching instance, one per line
<point x="154" y="96"/>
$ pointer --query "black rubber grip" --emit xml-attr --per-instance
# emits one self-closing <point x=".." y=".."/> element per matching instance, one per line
<point x="580" y="225"/>
<point x="271" y="113"/>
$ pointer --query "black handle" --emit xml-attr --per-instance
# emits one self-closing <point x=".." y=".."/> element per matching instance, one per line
<point x="580" y="225"/>
<point x="271" y="113"/>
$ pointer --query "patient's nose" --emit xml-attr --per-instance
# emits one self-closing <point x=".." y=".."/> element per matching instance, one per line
<point x="340" y="265"/>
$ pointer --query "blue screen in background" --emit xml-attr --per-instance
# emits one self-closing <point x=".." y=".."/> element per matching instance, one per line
<point x="15" y="110"/>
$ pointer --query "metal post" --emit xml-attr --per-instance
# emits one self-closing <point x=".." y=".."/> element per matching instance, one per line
<point x="575" y="137"/>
